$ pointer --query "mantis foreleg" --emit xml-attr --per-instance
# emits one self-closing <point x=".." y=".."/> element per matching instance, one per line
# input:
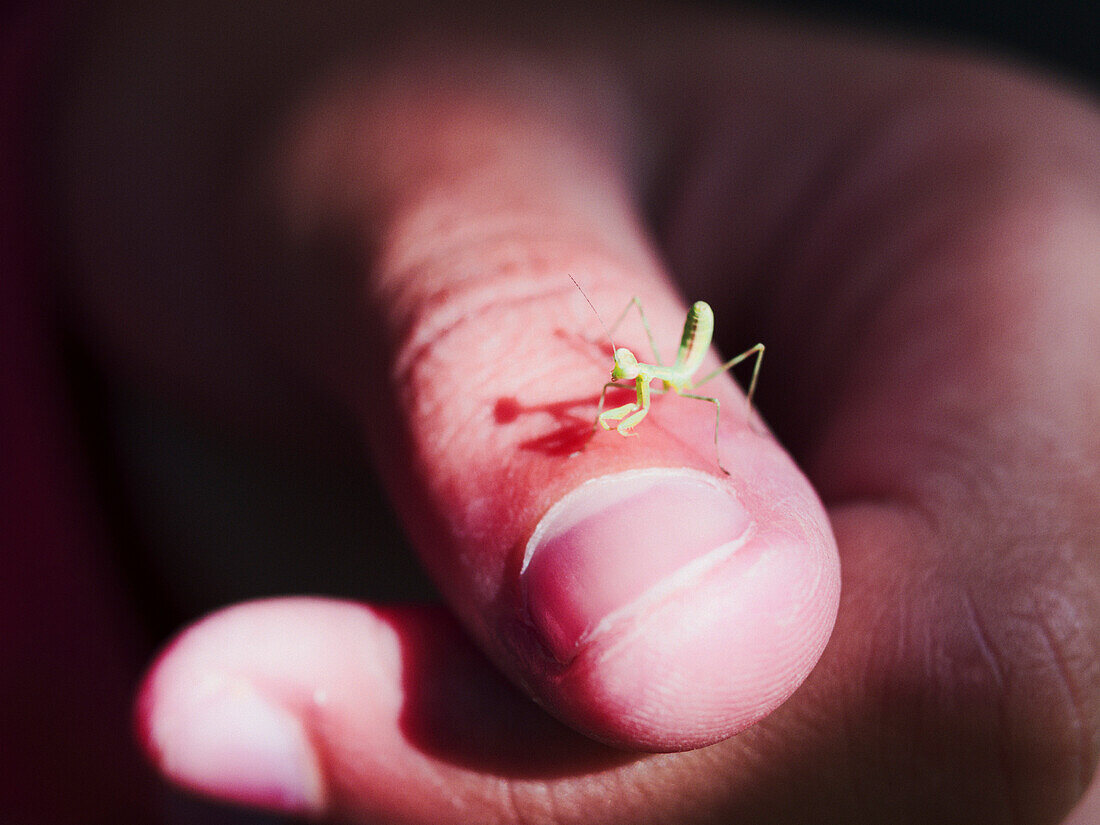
<point x="629" y="415"/>
<point x="600" y="414"/>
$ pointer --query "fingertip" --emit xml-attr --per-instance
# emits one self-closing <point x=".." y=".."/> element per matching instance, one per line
<point x="587" y="560"/>
<point x="220" y="731"/>
<point x="680" y="608"/>
<point x="709" y="662"/>
<point x="230" y="741"/>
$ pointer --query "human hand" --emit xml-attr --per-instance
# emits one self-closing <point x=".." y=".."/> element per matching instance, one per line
<point x="916" y="258"/>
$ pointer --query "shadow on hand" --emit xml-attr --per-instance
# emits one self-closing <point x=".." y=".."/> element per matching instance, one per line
<point x="459" y="709"/>
<point x="569" y="430"/>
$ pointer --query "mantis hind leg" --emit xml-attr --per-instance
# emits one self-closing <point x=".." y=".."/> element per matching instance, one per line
<point x="635" y="302"/>
<point x="717" y="415"/>
<point x="758" y="351"/>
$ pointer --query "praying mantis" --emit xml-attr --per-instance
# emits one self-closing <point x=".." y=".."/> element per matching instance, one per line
<point x="694" y="344"/>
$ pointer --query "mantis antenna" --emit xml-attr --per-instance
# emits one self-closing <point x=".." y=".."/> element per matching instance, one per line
<point x="597" y="314"/>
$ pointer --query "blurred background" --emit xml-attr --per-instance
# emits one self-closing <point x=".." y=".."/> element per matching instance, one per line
<point x="1059" y="36"/>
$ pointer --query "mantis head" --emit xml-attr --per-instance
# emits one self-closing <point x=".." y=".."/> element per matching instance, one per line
<point x="626" y="365"/>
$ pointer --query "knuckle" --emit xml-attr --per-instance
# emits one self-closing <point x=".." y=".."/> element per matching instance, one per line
<point x="979" y="671"/>
<point x="1008" y="688"/>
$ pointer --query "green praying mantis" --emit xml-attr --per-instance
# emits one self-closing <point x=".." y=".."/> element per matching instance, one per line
<point x="630" y="373"/>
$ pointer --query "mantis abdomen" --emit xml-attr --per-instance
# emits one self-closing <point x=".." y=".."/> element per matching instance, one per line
<point x="695" y="342"/>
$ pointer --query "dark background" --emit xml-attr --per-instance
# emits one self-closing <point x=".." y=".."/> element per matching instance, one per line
<point x="1059" y="36"/>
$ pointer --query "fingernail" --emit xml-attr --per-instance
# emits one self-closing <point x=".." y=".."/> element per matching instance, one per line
<point x="616" y="542"/>
<point x="226" y="740"/>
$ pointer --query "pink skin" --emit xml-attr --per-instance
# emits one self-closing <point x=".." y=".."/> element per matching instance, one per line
<point x="402" y="239"/>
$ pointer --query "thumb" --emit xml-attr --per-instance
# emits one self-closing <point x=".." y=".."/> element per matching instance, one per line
<point x="631" y="586"/>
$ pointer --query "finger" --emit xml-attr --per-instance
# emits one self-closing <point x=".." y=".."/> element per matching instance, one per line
<point x="329" y="708"/>
<point x="630" y="585"/>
